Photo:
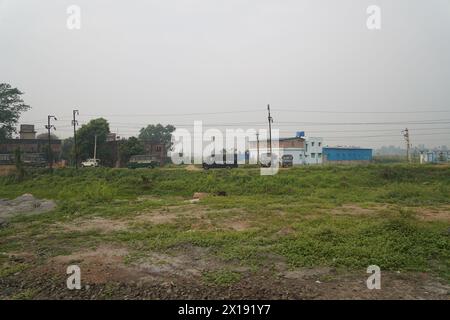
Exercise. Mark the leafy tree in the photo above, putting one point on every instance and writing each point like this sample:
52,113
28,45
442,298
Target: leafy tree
67,152
86,139
11,106
131,147
158,134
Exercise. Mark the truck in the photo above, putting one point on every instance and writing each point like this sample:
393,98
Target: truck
143,161
90,163
287,160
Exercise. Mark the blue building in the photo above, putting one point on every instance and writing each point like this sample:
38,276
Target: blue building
346,154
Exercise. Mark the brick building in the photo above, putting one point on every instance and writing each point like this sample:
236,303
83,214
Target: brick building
28,144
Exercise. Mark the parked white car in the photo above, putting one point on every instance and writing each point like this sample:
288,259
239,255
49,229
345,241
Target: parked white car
90,163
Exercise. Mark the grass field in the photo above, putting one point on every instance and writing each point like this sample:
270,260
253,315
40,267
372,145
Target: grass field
308,232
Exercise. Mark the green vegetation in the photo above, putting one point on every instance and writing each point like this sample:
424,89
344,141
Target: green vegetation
221,277
338,216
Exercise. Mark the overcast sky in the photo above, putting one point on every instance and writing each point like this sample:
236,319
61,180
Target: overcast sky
138,62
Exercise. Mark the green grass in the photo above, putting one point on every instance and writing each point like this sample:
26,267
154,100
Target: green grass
289,215
221,277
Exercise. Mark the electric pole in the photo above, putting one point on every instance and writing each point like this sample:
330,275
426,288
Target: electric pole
95,147
49,127
257,148
74,123
408,144
270,119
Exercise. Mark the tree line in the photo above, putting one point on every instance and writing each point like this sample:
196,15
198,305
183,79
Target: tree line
12,106
157,134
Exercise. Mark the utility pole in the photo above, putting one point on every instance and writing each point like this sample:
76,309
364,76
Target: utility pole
75,123
270,119
95,147
408,144
49,127
257,148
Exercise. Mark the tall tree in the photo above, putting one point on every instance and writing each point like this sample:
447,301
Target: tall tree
86,136
67,150
158,134
11,106
130,147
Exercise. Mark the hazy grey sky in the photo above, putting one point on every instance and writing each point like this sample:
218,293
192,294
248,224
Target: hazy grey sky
138,58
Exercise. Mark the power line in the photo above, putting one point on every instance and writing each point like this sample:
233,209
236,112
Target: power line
360,112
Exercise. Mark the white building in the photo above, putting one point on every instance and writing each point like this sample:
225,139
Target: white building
303,150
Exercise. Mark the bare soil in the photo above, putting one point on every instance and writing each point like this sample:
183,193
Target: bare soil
106,274
111,271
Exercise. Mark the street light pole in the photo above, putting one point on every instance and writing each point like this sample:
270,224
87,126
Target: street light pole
74,123
49,126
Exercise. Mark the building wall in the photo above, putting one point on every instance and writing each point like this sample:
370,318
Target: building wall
282,143
29,145
313,150
157,150
297,153
435,156
304,151
347,155
291,143
27,131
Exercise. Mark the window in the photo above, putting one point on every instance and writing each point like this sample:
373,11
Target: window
319,155
320,144
158,148
312,144
313,155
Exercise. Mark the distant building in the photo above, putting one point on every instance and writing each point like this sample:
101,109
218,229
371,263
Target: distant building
157,150
27,132
304,150
434,156
28,144
346,155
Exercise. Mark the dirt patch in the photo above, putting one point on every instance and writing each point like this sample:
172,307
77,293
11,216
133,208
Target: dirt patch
237,225
195,214
6,170
95,223
107,272
433,214
285,231
185,262
99,265
423,213
304,274
191,167
148,197
355,210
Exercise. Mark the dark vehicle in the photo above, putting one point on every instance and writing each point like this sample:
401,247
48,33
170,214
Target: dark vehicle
143,161
287,160
213,163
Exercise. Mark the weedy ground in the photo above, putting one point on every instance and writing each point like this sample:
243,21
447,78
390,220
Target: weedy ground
307,232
